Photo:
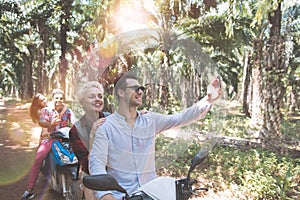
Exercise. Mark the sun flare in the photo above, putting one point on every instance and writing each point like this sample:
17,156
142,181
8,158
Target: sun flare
130,15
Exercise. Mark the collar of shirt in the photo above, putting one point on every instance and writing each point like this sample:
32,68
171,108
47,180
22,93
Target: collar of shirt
119,116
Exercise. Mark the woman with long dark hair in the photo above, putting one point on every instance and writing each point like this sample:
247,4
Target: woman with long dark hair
38,102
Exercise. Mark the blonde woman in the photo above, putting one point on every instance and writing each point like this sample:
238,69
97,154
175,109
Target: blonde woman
90,97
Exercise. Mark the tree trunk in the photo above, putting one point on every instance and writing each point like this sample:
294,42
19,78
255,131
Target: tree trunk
273,79
292,103
246,83
164,80
42,75
64,26
256,112
26,88
293,82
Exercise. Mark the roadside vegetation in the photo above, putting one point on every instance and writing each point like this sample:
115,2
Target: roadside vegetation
244,171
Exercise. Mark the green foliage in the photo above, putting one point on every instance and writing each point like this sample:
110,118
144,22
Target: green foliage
236,126
247,174
260,174
76,108
256,174
290,127
174,155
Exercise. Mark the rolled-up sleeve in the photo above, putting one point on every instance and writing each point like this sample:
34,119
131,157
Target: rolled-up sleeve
73,117
187,116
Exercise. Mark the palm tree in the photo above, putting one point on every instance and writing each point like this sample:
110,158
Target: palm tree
274,72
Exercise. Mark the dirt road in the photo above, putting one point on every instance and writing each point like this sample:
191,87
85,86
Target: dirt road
18,141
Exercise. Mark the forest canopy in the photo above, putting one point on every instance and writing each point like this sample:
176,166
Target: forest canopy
253,45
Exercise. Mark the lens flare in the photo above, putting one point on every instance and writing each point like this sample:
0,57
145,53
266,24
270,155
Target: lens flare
108,48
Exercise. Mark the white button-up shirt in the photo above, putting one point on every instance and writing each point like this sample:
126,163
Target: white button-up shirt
128,154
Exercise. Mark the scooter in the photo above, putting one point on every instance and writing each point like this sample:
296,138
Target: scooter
61,167
161,188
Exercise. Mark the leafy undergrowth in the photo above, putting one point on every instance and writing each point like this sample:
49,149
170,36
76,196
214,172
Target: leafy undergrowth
245,174
234,173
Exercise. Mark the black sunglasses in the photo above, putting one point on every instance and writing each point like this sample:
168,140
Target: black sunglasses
137,88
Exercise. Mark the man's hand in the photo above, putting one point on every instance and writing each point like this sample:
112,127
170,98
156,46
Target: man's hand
108,197
55,121
45,132
214,90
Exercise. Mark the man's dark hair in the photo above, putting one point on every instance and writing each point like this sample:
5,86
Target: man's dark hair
120,83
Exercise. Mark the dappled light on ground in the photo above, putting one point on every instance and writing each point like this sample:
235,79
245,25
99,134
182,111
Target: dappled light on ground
19,137
17,131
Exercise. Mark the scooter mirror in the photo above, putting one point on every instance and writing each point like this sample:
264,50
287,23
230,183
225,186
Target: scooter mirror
102,182
198,159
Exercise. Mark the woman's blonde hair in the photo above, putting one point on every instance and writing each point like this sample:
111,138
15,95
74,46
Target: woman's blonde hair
82,91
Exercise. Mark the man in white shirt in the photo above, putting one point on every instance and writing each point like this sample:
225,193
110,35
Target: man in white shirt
124,145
